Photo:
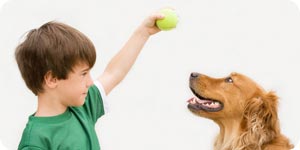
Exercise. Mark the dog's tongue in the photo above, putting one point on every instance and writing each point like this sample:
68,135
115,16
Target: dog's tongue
195,100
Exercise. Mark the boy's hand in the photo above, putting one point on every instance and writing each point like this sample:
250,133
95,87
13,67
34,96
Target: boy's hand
148,27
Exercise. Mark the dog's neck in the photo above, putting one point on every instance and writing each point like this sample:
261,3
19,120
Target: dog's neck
229,131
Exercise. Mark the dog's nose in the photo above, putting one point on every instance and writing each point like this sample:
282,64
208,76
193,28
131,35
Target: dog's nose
194,75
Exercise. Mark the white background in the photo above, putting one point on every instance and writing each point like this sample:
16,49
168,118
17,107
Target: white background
259,38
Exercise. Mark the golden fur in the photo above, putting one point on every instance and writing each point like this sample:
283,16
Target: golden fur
248,117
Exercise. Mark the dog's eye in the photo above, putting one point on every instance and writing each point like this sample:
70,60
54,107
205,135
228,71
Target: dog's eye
228,80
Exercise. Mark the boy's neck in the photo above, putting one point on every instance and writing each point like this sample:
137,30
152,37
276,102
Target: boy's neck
49,106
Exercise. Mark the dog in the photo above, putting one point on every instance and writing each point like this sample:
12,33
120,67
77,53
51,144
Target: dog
245,112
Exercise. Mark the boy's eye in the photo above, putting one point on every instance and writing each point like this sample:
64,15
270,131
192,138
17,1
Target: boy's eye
228,80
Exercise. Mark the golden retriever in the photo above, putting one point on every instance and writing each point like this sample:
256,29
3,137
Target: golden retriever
245,112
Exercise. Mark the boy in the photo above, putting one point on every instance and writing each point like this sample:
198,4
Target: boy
55,62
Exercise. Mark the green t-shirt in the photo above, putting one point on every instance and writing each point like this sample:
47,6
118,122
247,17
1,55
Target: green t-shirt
72,130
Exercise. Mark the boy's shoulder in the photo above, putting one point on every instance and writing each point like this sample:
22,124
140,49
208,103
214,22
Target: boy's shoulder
31,136
62,131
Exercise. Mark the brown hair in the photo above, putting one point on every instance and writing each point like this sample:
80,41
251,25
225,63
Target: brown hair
54,47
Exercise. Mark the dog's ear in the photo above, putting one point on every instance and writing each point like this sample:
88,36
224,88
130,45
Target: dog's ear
260,123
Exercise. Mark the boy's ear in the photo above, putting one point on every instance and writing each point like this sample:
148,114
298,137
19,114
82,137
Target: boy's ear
50,80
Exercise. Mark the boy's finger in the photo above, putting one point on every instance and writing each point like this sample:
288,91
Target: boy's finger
157,16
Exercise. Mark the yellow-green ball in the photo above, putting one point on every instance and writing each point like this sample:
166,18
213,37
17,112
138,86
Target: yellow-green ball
169,21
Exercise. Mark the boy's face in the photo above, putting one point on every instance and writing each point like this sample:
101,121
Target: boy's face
73,90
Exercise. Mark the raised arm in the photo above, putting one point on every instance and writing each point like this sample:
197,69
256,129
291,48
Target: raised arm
121,63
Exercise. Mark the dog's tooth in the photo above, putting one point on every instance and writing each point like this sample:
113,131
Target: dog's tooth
193,101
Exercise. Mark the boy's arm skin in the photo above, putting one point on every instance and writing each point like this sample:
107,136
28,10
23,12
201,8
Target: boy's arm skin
121,63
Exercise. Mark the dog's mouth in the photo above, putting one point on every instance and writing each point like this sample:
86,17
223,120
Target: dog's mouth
206,104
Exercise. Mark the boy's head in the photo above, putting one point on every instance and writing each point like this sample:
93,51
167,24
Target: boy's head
54,47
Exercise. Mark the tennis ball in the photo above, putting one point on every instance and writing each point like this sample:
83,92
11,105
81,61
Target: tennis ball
169,21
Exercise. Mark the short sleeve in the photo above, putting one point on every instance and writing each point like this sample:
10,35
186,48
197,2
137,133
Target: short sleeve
94,105
103,95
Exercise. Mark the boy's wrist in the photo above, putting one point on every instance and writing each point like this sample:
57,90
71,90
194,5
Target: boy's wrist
142,32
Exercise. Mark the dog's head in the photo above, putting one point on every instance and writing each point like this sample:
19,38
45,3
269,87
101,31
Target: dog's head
233,96
237,98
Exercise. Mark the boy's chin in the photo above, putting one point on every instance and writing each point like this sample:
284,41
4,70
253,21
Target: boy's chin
79,103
